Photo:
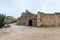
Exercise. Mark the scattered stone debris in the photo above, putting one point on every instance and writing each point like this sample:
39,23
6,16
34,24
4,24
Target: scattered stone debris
6,26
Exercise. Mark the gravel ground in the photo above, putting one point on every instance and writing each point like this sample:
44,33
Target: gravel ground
29,33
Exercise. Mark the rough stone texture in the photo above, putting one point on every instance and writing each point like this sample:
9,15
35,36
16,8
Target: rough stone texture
10,19
40,19
45,19
25,17
57,19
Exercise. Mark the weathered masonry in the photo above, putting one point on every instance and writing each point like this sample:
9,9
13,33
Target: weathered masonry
28,19
45,19
41,19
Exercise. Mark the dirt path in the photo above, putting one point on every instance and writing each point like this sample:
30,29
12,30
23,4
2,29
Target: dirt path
29,33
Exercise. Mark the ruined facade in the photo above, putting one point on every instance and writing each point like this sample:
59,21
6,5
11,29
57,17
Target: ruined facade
28,19
40,19
10,19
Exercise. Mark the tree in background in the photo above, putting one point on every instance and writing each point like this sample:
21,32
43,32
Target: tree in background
2,20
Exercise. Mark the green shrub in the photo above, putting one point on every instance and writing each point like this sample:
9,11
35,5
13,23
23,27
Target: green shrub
2,20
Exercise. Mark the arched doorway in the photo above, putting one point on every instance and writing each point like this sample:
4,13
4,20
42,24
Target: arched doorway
30,22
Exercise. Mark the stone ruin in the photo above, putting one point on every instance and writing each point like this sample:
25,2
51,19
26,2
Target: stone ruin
27,18
10,19
41,19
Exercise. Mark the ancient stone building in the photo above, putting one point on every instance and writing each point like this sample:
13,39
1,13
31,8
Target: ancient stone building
40,19
10,19
28,19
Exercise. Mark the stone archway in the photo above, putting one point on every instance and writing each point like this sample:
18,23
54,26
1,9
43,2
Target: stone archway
30,22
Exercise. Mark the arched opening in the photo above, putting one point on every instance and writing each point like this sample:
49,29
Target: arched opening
30,23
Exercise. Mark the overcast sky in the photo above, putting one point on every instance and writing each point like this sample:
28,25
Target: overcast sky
16,7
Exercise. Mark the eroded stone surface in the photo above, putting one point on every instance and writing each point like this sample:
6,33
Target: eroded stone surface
40,19
10,19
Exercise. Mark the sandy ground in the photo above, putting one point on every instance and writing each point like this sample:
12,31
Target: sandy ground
29,33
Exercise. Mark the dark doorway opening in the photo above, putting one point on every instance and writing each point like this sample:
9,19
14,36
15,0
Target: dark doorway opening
30,23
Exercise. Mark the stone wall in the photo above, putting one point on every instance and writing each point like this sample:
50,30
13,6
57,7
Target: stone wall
10,19
57,19
40,19
21,21
45,19
25,17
